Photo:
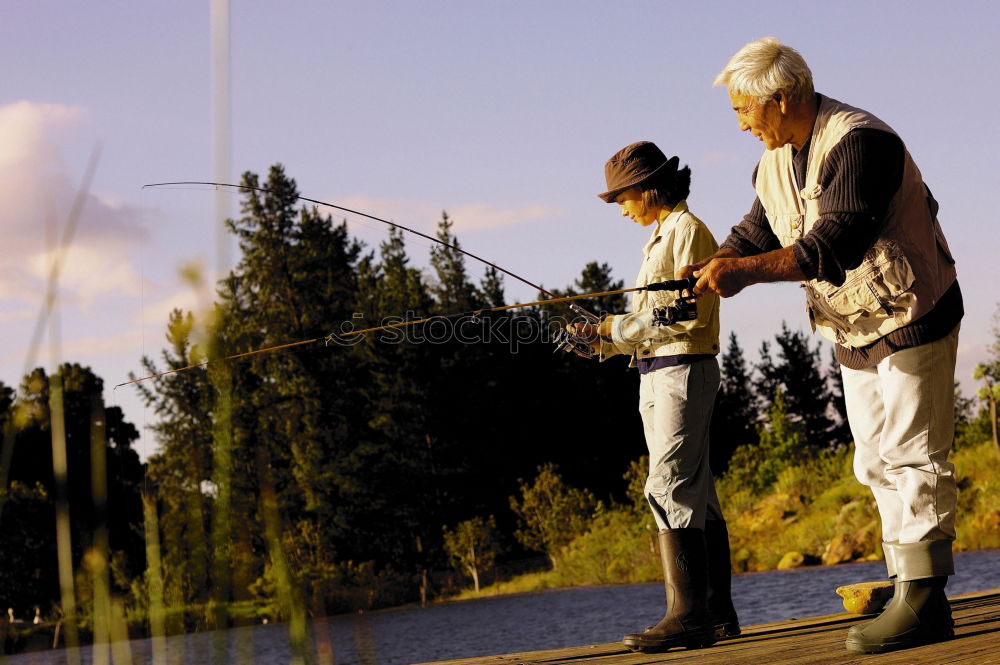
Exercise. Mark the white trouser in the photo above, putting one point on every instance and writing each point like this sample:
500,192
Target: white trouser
676,408
902,415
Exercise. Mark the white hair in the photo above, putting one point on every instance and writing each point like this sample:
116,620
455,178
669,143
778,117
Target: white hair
763,67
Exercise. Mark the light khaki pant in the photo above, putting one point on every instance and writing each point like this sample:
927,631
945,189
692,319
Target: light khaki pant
676,408
902,415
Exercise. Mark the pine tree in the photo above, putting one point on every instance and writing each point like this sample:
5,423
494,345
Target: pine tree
408,463
492,288
283,421
798,375
756,466
32,484
178,471
359,451
735,412
579,438
293,413
452,290
989,374
594,278
840,429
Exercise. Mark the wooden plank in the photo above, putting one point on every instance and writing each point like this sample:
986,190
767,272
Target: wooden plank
811,641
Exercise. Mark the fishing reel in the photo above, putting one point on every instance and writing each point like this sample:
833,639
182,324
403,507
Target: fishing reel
684,308
571,342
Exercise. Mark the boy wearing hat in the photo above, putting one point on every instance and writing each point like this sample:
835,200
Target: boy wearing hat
679,378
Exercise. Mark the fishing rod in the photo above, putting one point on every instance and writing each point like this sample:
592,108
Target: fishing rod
578,345
566,340
683,308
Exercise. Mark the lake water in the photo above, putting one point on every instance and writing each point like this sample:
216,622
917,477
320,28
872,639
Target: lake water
525,622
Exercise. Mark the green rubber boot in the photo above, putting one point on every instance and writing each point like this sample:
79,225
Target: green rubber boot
889,549
919,612
686,622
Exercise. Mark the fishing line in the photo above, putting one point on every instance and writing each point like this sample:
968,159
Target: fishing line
402,227
354,218
142,327
567,342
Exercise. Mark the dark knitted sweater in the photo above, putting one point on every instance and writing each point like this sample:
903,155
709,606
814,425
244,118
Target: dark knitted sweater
859,179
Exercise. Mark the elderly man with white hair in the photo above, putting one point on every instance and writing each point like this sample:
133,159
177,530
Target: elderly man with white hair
842,208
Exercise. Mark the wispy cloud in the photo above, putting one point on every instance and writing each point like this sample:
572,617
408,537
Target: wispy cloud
483,216
86,273
424,215
36,194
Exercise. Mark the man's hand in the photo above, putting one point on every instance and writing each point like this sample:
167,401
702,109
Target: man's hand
719,271
687,271
726,277
727,273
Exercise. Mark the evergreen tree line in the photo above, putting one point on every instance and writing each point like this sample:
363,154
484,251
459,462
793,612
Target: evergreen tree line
811,396
328,477
101,491
349,460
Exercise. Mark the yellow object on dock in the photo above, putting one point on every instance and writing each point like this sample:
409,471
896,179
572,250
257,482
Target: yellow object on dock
865,597
815,641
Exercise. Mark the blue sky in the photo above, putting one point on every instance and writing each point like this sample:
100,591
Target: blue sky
501,113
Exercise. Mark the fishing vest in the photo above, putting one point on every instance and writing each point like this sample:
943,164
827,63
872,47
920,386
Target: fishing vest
906,270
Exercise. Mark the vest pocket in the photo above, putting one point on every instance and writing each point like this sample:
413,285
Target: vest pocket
787,226
880,292
891,282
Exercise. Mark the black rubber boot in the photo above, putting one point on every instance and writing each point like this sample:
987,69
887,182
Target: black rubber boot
686,622
919,612
720,571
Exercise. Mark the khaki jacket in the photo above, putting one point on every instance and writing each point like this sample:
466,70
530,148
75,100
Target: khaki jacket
680,240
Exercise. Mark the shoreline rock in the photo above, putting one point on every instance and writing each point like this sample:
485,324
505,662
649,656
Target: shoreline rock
865,597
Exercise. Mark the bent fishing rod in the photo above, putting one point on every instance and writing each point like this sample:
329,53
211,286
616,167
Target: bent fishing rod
683,309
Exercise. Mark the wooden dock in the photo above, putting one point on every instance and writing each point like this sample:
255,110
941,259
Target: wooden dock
815,641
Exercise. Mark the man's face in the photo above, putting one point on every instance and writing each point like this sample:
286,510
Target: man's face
764,121
630,202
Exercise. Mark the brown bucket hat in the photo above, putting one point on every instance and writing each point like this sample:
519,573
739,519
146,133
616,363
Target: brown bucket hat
634,164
